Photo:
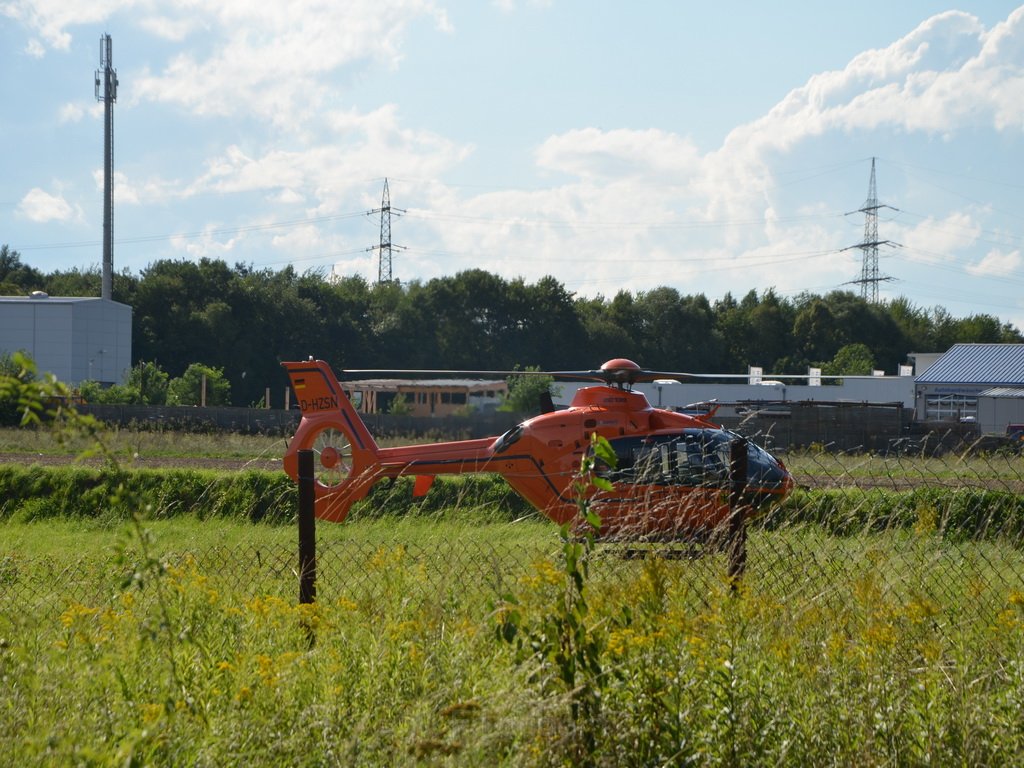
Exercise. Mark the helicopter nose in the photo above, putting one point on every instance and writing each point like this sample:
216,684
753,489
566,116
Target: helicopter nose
767,473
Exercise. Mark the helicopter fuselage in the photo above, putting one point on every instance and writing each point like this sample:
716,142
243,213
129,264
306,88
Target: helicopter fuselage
671,477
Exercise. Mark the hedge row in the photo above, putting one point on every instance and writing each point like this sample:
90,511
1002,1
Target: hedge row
36,492
956,513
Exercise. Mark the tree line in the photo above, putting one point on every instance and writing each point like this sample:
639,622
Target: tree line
242,322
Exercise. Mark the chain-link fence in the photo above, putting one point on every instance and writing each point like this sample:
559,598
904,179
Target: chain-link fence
939,538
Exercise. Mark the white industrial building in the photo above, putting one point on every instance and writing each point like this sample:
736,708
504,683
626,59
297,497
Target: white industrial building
852,389
972,383
73,337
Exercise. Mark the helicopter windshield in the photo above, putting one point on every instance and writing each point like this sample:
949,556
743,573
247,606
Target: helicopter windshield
693,457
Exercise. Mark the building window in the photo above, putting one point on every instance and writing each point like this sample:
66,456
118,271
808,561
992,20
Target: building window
950,407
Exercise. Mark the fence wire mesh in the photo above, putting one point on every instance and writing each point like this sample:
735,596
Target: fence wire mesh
936,541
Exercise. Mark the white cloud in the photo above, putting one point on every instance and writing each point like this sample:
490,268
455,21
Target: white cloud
509,6
273,60
590,153
302,239
938,240
207,245
645,204
996,263
52,18
286,196
128,191
70,113
946,75
640,207
168,28
329,173
40,206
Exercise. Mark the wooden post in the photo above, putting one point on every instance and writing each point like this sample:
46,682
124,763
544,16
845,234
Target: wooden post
202,392
307,528
287,398
266,399
737,540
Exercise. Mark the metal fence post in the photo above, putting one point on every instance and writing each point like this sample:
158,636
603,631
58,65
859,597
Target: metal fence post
307,528
737,540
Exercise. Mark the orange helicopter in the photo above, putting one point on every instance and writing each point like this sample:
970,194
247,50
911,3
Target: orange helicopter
670,482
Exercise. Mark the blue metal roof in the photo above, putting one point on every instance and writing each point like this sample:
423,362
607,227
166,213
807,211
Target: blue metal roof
1003,392
993,364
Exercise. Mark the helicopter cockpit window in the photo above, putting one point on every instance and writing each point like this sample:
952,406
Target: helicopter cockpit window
694,457
504,442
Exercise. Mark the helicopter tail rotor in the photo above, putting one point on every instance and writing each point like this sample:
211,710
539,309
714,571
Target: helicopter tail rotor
345,454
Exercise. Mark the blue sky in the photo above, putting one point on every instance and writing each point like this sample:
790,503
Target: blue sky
709,147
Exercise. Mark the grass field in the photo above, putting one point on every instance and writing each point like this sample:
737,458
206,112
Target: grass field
457,636
190,653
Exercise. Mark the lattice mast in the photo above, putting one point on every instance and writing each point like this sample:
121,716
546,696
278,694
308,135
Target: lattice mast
869,277
107,93
385,247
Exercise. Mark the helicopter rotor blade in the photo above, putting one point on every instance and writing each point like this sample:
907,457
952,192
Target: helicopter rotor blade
613,372
440,373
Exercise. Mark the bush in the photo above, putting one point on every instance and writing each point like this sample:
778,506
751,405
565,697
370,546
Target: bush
187,389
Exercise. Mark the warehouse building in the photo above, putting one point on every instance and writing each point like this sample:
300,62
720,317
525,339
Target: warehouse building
979,383
73,337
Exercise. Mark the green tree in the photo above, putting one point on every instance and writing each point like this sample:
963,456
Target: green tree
853,360
187,389
18,278
914,323
399,405
814,330
756,331
472,318
605,338
543,326
400,329
525,392
150,380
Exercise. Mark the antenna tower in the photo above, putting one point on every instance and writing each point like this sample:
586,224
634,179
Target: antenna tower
869,277
385,248
107,76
